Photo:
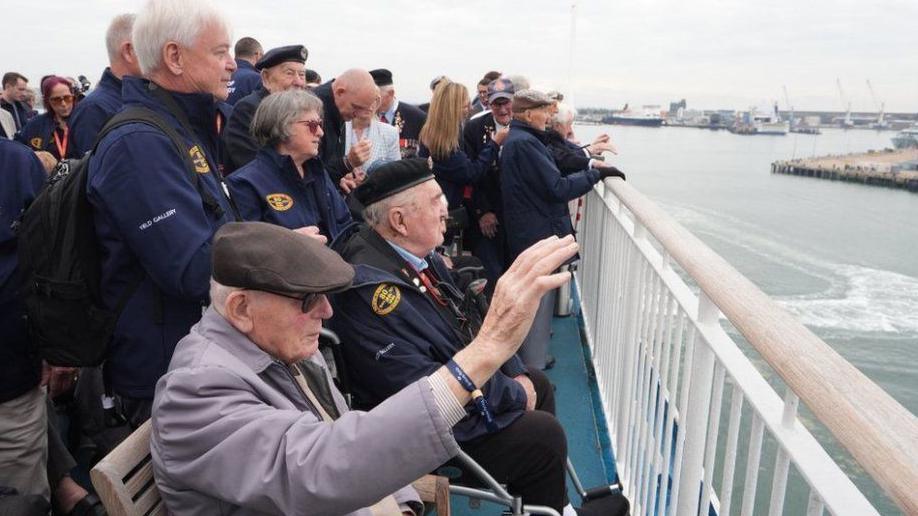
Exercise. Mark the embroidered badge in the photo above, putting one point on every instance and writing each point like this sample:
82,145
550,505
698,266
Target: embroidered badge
36,143
385,299
200,162
279,201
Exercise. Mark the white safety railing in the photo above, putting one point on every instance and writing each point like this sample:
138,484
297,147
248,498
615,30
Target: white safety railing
670,378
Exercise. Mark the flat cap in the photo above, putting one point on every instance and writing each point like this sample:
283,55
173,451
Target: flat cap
392,178
276,56
500,89
530,99
381,77
270,258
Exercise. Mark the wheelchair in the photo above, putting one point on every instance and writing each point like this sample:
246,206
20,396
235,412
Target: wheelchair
493,491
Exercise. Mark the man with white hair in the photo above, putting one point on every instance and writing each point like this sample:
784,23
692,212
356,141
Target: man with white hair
154,216
407,118
405,318
91,113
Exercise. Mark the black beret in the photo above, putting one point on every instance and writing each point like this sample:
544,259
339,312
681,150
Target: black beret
270,258
381,77
276,56
392,178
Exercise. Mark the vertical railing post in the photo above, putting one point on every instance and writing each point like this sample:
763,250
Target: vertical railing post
632,311
695,419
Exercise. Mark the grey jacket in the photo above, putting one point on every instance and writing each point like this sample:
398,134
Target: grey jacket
234,434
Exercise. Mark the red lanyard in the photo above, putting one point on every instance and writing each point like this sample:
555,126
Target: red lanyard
434,292
62,145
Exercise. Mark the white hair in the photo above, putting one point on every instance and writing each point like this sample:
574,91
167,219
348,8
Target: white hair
162,21
565,114
119,31
378,212
519,82
219,293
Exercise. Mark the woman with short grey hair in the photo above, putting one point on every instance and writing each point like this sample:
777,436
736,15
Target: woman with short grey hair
287,184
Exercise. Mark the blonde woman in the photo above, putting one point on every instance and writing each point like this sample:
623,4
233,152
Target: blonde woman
441,141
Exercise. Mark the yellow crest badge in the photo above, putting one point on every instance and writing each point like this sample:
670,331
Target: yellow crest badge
200,162
36,143
279,201
385,299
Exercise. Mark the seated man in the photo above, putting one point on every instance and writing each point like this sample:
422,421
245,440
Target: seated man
247,421
405,319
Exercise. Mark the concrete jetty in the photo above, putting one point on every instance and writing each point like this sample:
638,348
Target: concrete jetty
890,168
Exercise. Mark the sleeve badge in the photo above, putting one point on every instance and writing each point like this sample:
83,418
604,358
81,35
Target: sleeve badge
385,299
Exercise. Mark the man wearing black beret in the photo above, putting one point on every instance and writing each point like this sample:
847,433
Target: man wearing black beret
406,318
281,69
408,119
247,419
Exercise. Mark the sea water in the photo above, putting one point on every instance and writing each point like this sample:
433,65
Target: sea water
842,257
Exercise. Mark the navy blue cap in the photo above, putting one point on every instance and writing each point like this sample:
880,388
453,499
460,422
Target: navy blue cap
276,56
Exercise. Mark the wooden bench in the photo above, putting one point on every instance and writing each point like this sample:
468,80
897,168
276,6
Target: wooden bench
124,481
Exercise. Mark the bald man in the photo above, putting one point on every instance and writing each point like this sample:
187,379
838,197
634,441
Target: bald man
344,97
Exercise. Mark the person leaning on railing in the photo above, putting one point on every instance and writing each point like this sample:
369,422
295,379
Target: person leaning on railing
535,196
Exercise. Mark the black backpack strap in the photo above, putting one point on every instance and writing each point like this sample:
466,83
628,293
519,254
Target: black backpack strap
142,115
180,115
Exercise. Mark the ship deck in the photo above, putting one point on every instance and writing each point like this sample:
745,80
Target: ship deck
579,410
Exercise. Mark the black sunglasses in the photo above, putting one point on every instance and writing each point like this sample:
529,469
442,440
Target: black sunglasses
309,302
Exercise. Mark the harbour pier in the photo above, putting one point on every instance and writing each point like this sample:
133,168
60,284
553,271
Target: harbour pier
890,168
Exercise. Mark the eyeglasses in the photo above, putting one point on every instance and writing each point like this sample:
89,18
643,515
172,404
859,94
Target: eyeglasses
63,99
313,125
310,302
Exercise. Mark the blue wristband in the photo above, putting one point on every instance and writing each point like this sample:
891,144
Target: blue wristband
477,397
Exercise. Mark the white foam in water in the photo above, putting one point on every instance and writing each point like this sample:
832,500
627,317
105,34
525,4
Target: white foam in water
856,299
873,301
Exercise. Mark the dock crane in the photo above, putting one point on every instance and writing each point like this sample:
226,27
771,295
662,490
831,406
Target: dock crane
881,109
847,123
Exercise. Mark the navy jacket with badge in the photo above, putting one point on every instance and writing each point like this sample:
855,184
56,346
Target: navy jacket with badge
21,178
38,134
152,224
476,136
246,79
269,189
393,334
91,113
535,193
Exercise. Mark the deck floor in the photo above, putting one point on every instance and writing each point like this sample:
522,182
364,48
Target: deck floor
577,406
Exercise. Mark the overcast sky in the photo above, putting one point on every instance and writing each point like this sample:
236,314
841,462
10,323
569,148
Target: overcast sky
714,53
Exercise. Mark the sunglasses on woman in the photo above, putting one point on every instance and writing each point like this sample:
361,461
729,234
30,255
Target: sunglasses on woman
63,99
313,125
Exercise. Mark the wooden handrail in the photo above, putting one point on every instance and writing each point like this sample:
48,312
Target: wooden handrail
880,433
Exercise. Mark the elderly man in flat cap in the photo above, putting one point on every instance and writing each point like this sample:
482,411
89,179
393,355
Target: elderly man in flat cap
405,318
281,69
247,420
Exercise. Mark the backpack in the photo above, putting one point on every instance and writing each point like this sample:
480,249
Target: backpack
61,258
